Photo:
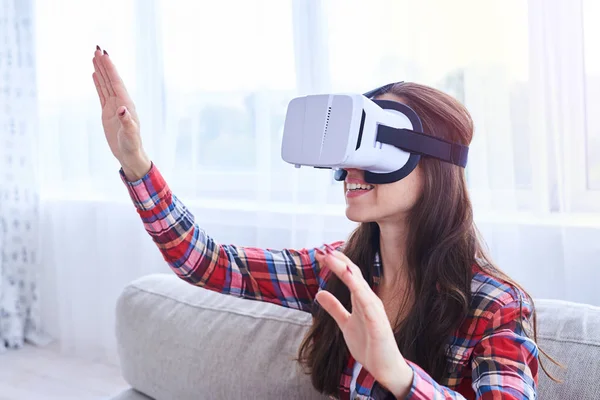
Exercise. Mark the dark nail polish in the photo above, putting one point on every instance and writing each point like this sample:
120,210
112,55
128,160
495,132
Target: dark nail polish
329,249
105,52
122,112
348,269
97,47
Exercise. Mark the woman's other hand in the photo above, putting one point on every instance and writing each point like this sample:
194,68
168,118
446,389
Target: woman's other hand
367,330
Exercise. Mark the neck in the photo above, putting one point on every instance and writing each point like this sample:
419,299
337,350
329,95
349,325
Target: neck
392,248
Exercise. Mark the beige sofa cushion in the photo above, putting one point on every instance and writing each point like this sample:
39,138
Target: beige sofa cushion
177,341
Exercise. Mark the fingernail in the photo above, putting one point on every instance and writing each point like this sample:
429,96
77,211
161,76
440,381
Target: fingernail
320,252
348,269
97,47
105,52
122,112
329,249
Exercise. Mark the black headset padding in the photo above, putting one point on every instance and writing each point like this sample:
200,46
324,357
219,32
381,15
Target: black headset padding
413,159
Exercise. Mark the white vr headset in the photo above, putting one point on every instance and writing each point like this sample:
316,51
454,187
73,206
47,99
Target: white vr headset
382,137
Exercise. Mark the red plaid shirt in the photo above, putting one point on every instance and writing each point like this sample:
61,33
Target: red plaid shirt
491,356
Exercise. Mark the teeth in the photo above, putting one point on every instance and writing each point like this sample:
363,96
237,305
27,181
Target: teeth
358,186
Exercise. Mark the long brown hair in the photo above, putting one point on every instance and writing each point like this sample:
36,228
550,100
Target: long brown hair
444,246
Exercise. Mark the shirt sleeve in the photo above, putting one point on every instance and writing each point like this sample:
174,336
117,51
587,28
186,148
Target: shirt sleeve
504,362
290,278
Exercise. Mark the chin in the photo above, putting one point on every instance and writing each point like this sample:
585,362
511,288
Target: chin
359,214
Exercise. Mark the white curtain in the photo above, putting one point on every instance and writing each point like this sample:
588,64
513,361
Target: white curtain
212,80
20,317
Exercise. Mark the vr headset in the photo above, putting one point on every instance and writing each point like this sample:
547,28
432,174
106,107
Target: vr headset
382,137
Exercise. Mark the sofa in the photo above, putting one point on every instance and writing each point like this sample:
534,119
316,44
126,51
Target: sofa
180,342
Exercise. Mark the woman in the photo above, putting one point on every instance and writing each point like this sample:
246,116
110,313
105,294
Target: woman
408,307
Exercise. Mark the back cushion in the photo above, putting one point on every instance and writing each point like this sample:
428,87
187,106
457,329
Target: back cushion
178,341
569,333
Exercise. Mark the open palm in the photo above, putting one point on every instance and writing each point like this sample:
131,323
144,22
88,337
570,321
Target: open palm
367,330
119,118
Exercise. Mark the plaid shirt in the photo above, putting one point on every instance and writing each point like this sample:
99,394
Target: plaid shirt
491,356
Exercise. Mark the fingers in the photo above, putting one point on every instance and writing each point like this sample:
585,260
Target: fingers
353,267
333,306
99,90
364,300
100,79
115,81
99,65
344,268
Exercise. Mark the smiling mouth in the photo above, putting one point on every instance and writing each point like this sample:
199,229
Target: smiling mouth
358,187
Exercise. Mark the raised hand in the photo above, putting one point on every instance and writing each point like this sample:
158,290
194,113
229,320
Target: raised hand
367,330
119,117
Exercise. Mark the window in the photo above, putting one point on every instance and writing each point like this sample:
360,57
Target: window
212,88
591,31
433,43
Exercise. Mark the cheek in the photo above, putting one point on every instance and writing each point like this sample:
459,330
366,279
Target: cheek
400,196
